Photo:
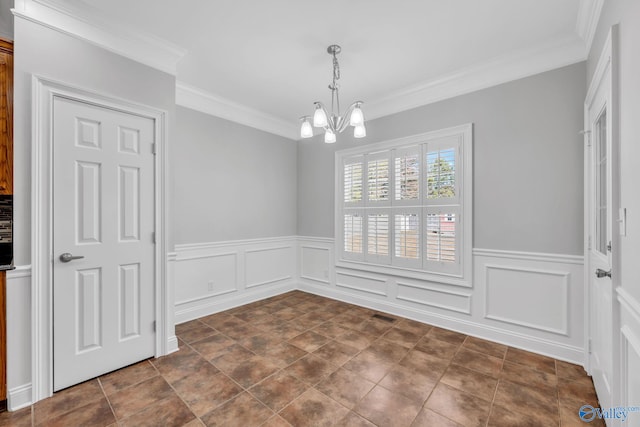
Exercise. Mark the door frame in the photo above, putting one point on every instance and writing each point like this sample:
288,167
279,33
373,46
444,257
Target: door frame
607,66
43,93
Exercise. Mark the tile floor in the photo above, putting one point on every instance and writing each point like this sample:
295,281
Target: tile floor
301,360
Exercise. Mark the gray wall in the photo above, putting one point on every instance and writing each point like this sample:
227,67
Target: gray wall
231,181
528,172
626,13
6,19
47,53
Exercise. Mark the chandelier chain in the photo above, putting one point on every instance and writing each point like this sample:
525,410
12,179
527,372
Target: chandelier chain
334,85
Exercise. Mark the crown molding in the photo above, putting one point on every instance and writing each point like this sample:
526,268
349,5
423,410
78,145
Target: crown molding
587,22
504,69
84,24
520,64
209,103
87,24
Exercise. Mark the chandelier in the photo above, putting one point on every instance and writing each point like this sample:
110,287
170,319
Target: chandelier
333,123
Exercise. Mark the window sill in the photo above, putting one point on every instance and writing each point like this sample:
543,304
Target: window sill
389,270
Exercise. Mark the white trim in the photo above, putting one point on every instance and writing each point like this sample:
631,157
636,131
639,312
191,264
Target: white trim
19,271
514,66
43,93
530,256
629,341
630,304
301,260
359,288
202,256
514,339
316,239
252,275
206,306
215,105
443,304
19,397
587,22
564,330
205,246
466,310
87,24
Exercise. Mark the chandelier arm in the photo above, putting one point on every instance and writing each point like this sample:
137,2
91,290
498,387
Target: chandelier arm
330,125
344,122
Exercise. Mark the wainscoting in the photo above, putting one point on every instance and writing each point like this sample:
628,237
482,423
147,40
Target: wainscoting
528,300
212,277
629,348
19,337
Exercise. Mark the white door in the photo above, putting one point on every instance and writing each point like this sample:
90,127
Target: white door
103,249
601,187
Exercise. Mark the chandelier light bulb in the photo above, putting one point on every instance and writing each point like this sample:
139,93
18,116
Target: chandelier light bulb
319,117
306,131
357,118
359,131
329,137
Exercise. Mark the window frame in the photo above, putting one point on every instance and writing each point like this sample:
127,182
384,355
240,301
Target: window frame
459,273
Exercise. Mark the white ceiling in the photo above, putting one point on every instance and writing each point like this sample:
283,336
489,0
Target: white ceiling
270,56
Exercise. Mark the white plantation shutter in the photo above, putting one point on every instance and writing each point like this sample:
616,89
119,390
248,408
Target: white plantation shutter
378,179
353,181
407,176
441,173
353,235
378,237
405,205
407,239
442,239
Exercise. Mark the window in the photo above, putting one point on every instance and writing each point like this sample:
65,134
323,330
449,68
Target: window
405,204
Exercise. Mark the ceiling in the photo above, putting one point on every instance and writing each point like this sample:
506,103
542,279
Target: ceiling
269,57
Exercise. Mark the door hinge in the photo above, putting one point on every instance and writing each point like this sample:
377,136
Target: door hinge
153,326
153,237
589,243
153,148
587,134
588,344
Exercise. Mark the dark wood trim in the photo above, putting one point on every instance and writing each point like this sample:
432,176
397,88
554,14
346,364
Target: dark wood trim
6,46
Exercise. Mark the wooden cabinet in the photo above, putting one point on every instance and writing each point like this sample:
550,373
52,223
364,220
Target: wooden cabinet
6,185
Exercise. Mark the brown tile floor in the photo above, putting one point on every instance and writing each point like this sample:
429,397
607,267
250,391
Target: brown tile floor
302,360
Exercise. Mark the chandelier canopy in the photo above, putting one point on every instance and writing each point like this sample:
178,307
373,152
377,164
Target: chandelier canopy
333,123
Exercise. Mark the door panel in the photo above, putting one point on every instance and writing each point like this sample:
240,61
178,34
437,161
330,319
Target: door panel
600,227
103,213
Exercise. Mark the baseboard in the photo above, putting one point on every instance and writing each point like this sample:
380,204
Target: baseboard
19,397
172,344
525,342
216,304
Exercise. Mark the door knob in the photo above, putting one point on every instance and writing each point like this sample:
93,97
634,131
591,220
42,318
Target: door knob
601,273
66,257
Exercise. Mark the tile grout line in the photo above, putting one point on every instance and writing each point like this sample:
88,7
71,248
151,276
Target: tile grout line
113,412
495,392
